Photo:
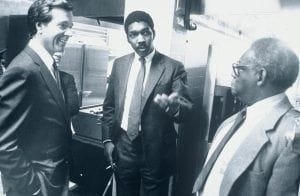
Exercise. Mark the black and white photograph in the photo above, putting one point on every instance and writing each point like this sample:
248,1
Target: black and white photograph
149,98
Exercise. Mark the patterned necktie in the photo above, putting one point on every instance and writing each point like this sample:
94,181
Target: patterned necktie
201,179
58,79
134,118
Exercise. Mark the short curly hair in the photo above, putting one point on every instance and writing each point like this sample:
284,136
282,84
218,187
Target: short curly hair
40,12
138,16
281,63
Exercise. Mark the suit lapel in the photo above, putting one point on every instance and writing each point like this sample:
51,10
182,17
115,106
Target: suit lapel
252,145
156,70
123,78
49,80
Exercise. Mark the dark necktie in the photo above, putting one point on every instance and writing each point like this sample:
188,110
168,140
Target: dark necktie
134,118
57,78
1,68
201,179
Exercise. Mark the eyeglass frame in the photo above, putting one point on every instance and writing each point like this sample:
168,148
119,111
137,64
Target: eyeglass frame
236,68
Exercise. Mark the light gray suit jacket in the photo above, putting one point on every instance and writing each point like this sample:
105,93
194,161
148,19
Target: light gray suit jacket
266,164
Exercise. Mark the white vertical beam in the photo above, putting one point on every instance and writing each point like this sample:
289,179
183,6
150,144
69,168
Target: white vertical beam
209,88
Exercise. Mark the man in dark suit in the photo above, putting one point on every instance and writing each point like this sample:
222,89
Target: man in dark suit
34,122
139,111
256,152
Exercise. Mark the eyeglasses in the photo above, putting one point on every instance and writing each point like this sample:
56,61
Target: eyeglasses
237,68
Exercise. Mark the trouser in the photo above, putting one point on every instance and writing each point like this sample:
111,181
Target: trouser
47,187
64,192
132,170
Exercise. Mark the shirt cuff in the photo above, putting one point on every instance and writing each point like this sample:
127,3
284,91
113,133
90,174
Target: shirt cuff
37,192
106,141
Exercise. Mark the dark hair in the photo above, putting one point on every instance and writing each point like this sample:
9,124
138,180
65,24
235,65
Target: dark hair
281,63
138,16
40,12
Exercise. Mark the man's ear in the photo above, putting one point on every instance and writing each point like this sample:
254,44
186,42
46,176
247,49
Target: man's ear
262,76
39,27
127,38
153,33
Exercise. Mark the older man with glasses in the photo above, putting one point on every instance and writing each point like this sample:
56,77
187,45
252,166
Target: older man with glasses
257,151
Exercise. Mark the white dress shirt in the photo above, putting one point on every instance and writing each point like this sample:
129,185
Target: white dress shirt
134,70
43,54
257,111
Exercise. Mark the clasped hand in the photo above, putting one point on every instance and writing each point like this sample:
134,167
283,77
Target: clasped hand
168,103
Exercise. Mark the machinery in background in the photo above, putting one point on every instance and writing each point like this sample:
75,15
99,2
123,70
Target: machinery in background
88,64
224,105
88,167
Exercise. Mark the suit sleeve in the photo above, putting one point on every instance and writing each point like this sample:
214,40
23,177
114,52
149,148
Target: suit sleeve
70,93
15,106
108,119
179,85
285,177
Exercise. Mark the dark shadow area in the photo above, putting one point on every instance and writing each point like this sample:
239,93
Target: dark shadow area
191,145
290,3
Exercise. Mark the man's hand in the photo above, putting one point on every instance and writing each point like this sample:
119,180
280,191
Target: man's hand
108,149
168,103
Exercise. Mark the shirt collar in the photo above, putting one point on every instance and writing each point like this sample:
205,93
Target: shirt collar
263,107
42,52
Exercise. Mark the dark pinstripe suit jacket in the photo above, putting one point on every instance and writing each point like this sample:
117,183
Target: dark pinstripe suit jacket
34,128
158,133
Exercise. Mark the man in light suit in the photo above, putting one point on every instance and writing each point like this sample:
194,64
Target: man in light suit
35,129
261,156
138,127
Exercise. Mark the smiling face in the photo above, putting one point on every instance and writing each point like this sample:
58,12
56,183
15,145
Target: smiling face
55,34
140,36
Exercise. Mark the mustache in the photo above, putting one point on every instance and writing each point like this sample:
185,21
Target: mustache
142,45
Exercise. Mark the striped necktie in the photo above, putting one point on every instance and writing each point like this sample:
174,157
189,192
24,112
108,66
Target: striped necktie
201,179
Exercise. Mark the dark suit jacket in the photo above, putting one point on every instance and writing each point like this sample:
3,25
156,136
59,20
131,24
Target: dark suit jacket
266,164
158,133
34,128
70,92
